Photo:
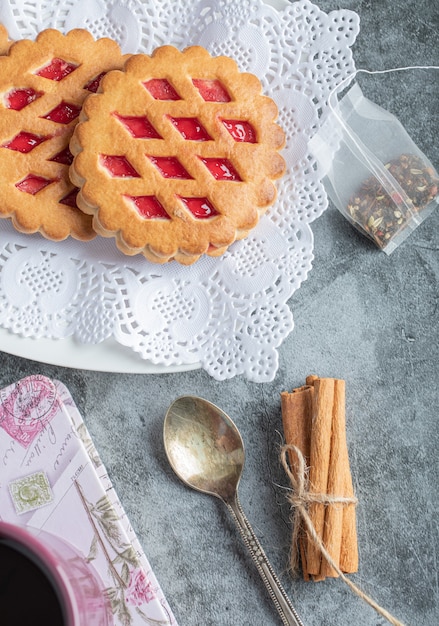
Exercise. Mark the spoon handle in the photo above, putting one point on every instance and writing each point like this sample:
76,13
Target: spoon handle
277,593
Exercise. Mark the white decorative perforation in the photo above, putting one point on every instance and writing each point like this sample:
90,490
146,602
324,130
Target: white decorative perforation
229,314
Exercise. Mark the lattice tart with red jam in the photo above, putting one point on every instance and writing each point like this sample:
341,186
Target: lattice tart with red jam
177,155
43,84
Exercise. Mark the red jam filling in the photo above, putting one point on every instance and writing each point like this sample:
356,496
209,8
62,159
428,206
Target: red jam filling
65,157
241,131
64,113
70,199
190,128
57,69
149,207
199,207
24,142
118,166
93,85
170,167
17,99
221,169
211,90
33,184
138,127
161,89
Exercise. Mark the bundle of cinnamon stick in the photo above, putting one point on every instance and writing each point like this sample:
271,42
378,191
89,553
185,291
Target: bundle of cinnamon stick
314,426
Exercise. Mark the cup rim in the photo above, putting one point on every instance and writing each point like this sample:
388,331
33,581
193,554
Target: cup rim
42,556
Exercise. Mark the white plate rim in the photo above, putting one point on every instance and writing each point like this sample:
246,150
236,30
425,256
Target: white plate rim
107,356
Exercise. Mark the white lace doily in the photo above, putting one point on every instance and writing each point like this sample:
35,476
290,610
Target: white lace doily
230,314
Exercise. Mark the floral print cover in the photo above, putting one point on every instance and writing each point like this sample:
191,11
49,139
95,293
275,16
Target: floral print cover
47,456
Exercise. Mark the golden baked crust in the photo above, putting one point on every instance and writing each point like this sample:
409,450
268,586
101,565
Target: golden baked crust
5,42
177,154
43,84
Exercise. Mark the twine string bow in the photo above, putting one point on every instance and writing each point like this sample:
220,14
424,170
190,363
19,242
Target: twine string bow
300,498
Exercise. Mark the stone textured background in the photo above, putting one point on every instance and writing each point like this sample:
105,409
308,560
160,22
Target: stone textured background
361,316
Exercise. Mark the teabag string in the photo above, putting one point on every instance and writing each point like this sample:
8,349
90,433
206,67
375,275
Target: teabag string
349,77
387,181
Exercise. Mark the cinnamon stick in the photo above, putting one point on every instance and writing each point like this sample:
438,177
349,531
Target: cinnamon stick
333,531
296,415
314,421
323,399
349,543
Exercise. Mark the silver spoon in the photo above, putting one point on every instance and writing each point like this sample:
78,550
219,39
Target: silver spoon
206,451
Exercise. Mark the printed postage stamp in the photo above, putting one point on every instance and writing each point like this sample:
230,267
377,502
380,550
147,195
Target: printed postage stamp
30,492
27,407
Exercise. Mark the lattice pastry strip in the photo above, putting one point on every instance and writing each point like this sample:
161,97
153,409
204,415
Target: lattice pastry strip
43,84
177,154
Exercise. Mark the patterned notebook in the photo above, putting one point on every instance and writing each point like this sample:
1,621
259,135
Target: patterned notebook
52,478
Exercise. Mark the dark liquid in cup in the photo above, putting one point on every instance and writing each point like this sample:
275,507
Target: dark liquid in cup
27,596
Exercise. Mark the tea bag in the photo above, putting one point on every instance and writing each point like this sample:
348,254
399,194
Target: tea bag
373,171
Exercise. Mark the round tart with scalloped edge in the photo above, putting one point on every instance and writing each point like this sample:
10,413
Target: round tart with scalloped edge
43,84
177,155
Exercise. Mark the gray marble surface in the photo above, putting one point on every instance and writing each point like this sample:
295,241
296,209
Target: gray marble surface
361,316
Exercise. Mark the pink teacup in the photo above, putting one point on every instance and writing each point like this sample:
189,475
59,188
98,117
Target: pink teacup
45,580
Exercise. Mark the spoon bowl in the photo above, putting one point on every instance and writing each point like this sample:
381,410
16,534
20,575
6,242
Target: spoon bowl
204,447
206,451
